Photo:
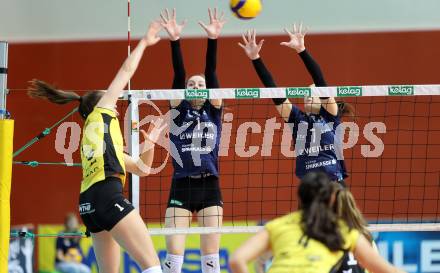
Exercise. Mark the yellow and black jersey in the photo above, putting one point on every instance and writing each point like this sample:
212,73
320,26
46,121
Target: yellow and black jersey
293,252
101,148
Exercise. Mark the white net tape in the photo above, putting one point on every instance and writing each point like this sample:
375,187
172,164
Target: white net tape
285,92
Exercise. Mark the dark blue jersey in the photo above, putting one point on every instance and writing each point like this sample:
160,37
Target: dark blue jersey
317,145
195,138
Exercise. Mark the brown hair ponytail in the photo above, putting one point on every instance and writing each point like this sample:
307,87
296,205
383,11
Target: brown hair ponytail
318,218
346,208
41,90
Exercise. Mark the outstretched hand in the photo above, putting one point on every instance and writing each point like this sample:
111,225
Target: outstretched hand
216,23
250,46
170,24
151,37
155,130
296,38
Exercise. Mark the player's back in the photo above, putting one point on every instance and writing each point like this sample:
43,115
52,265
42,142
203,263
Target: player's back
294,252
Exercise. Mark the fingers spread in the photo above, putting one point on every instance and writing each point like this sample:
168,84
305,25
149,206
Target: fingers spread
306,29
203,25
162,16
215,13
210,14
244,39
222,17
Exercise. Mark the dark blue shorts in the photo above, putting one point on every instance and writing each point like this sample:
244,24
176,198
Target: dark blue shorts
195,194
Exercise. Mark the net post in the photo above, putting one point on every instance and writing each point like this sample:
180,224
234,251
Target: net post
6,150
132,130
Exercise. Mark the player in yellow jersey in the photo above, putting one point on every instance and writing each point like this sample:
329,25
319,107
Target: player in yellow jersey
345,208
311,240
110,217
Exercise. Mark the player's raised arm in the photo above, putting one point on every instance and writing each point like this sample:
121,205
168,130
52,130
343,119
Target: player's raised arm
252,50
213,30
174,30
296,42
109,99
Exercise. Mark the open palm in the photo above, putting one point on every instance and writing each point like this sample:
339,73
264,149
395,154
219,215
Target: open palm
216,24
250,46
151,36
170,24
296,38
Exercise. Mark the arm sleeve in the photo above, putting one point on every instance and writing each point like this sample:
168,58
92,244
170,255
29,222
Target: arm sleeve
178,66
263,73
211,64
313,68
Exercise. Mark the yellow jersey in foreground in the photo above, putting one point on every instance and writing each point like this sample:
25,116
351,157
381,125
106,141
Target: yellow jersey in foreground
293,252
101,148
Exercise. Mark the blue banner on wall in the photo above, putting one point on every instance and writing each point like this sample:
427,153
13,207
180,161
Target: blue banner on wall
414,252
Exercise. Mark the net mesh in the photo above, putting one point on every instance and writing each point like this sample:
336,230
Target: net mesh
401,185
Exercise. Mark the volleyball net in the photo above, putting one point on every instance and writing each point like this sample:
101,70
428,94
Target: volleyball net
391,150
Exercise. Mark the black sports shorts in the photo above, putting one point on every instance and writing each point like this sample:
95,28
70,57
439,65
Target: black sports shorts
103,205
195,194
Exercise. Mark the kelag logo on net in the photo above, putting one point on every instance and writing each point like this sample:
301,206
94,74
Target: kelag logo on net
193,94
298,92
247,93
349,91
401,90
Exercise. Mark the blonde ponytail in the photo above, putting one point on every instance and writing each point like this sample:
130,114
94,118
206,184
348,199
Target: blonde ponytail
347,209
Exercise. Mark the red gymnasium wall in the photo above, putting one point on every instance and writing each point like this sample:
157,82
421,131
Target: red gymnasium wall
45,194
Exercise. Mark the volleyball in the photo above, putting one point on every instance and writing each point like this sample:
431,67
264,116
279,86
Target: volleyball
246,9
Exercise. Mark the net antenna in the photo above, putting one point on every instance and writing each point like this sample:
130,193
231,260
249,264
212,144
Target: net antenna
132,122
